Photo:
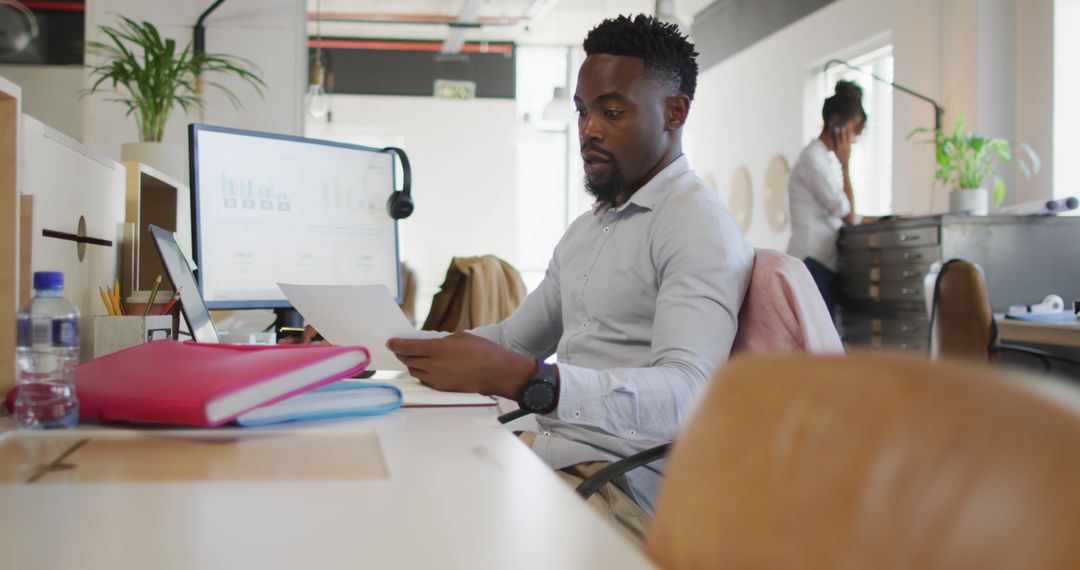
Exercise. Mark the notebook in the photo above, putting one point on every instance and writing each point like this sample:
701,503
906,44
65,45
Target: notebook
338,399
201,384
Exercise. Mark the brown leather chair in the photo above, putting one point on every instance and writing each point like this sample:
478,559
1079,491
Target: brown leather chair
961,318
872,461
962,325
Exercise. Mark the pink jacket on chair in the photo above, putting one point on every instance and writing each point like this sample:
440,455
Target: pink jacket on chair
783,310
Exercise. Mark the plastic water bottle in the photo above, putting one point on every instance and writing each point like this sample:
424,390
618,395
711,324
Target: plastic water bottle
48,349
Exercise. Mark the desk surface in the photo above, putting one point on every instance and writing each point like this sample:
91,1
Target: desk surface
461,492
1061,334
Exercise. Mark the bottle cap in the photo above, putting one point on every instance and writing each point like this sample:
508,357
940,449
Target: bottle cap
48,280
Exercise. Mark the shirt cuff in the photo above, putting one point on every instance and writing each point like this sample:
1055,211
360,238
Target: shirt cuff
580,395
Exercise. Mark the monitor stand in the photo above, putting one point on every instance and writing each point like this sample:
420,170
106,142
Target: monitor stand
290,317
287,317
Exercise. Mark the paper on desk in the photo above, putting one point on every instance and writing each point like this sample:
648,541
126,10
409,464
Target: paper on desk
351,315
416,395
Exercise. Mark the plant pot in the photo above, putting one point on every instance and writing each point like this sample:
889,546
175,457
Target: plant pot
168,158
969,201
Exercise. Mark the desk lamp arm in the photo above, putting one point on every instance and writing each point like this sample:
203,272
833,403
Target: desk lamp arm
939,111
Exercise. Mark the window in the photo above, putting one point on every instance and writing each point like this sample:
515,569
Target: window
548,186
871,155
1066,147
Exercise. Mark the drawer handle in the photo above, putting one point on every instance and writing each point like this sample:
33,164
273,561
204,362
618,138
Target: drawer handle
911,255
909,237
908,291
909,273
907,328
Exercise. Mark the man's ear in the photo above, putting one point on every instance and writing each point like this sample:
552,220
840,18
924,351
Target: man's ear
676,109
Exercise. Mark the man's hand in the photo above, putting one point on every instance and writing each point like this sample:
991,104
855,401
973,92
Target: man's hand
843,138
464,362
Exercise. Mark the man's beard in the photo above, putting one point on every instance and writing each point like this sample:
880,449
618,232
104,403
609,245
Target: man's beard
608,192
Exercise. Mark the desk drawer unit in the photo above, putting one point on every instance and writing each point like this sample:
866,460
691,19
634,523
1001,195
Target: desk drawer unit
886,273
883,266
882,271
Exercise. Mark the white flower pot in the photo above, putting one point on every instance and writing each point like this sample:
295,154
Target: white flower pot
969,201
169,158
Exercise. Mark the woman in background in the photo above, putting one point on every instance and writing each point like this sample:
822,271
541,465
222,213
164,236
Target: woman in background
819,190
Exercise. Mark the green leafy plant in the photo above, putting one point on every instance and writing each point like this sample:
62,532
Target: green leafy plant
966,160
150,76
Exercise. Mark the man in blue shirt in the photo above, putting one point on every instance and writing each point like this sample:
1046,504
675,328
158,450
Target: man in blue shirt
640,301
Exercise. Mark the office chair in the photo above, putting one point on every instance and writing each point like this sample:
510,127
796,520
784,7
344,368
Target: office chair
872,461
962,324
783,312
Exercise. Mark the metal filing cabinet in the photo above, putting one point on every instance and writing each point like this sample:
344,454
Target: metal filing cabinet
883,264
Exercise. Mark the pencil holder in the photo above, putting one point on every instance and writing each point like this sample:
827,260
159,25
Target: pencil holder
117,333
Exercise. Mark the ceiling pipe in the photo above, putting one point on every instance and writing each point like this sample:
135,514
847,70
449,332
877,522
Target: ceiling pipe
199,43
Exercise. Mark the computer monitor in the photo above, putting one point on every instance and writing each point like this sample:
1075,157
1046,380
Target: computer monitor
271,208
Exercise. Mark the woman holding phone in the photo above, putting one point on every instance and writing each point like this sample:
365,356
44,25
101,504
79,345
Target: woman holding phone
819,190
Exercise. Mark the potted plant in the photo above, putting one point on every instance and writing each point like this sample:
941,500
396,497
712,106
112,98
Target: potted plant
149,75
966,161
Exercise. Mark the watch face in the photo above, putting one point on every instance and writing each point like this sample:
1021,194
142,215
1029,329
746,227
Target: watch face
538,396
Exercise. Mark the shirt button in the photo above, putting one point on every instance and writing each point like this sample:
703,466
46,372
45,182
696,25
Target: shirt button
584,275
606,228
547,434
577,413
585,325
632,432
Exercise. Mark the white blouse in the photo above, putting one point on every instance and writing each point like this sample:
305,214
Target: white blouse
818,205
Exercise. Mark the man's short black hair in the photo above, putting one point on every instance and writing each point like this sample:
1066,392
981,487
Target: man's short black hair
668,54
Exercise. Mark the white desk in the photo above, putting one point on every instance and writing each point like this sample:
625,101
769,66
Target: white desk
461,493
1060,334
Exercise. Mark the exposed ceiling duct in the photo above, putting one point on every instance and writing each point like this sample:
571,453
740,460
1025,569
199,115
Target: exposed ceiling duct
466,19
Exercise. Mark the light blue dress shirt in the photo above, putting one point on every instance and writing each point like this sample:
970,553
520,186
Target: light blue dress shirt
641,304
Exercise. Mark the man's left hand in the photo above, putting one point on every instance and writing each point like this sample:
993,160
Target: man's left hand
464,362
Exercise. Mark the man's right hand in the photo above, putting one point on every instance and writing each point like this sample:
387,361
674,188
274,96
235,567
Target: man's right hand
843,138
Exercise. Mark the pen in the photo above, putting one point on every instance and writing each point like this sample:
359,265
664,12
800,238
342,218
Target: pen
169,305
105,299
153,293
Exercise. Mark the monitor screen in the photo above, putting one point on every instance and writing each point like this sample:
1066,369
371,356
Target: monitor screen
273,208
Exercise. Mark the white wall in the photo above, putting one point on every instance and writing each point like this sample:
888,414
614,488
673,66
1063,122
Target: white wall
750,107
270,33
50,94
463,167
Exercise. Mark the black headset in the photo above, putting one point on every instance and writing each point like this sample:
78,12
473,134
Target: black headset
400,204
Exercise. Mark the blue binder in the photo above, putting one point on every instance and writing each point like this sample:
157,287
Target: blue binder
338,399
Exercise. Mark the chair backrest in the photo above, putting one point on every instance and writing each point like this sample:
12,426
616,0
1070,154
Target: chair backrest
871,461
783,310
477,291
961,318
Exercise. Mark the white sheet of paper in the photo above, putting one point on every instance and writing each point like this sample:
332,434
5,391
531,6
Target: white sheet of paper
350,315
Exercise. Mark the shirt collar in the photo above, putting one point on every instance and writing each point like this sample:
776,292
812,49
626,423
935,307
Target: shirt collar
645,197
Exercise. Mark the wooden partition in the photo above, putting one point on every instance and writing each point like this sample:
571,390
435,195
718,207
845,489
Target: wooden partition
74,191
152,198
10,112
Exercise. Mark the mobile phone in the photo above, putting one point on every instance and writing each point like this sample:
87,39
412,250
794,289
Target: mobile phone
833,125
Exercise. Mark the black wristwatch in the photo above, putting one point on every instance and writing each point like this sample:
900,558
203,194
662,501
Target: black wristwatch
541,394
